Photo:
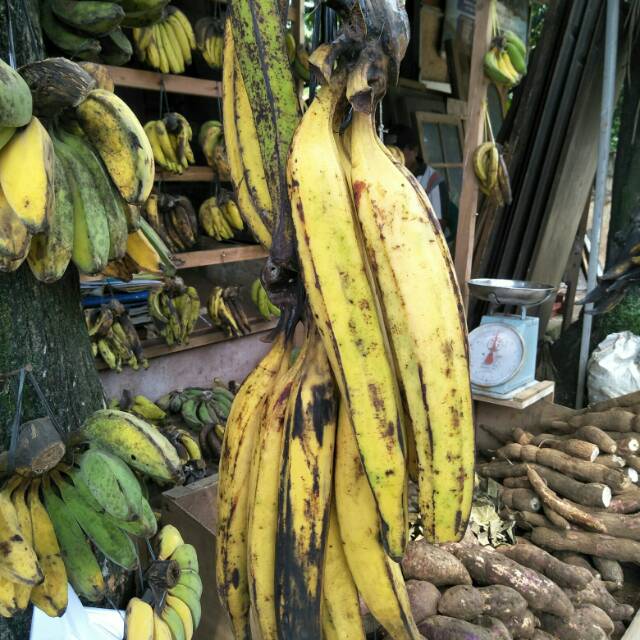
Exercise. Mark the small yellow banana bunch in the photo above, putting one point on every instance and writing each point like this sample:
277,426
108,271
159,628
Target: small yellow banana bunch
170,140
225,311
170,609
175,309
210,40
114,338
210,135
491,172
220,216
267,309
167,44
211,138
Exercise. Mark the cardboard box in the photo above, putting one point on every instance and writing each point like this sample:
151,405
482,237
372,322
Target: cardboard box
192,509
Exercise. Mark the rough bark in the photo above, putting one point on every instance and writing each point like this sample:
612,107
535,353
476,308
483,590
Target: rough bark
41,324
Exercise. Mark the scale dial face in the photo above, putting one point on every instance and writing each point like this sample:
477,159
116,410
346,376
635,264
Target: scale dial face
496,353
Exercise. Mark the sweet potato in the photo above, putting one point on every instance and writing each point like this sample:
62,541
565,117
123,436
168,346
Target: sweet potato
445,628
424,561
539,634
497,628
577,560
487,566
610,571
522,626
573,628
597,616
563,574
423,598
467,602
596,593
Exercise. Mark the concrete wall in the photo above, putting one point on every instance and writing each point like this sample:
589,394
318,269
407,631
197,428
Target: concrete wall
231,360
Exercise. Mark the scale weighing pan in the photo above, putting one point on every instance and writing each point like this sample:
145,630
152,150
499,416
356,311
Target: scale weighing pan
519,293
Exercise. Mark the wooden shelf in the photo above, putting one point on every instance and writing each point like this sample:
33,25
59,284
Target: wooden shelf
191,174
154,81
220,255
157,347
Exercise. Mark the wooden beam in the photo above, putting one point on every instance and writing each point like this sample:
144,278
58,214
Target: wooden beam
474,136
222,255
154,81
190,174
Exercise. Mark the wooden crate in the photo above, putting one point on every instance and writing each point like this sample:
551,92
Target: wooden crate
192,509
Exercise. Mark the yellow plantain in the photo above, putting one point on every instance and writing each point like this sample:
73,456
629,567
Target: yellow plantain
345,307
233,491
377,577
305,496
424,319
263,505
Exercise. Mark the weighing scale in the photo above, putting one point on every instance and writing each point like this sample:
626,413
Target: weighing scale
502,349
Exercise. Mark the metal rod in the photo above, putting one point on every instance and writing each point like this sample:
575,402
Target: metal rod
606,116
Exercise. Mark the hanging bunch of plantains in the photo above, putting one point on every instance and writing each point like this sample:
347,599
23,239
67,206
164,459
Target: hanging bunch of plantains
318,448
88,171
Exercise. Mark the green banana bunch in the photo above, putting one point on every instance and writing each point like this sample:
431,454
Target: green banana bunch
225,311
175,309
260,298
505,62
170,608
219,216
134,441
210,40
169,139
166,44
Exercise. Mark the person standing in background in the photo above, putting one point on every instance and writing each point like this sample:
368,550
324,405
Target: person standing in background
431,180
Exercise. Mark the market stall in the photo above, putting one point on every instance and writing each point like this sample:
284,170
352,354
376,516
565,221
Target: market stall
278,285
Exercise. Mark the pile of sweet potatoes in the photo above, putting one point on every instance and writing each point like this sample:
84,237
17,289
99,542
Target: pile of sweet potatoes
465,591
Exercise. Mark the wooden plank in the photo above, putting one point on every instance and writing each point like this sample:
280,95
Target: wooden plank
191,174
154,81
550,140
540,389
222,255
572,273
475,133
157,348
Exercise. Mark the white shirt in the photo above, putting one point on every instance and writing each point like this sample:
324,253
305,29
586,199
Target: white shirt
434,194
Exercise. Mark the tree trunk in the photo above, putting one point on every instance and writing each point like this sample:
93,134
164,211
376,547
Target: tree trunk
626,187
40,324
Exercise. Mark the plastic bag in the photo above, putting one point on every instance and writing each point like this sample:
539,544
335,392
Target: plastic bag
78,623
614,367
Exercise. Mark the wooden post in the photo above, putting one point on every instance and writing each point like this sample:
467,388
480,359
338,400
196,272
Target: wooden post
473,137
